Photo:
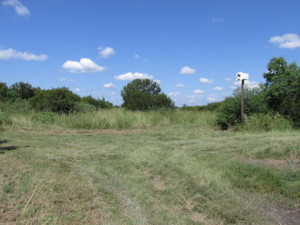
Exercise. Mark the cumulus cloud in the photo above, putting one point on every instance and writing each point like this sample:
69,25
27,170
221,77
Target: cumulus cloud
85,65
187,70
218,88
286,41
198,91
14,54
132,76
211,99
248,84
109,85
66,79
174,94
217,20
206,81
20,9
106,52
179,85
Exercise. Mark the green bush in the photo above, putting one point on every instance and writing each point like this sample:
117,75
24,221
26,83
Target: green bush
98,103
59,100
229,112
83,107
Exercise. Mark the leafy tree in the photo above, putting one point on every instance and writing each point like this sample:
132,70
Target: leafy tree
282,88
3,91
24,90
60,100
144,94
98,103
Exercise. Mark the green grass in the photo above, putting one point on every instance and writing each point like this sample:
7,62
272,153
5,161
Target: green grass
122,167
168,168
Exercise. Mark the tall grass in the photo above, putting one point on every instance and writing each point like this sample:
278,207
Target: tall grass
114,119
266,122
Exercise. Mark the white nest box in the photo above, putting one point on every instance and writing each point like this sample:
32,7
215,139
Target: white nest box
242,76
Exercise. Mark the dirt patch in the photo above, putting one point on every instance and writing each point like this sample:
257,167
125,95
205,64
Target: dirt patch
284,215
197,217
200,218
88,132
272,162
158,183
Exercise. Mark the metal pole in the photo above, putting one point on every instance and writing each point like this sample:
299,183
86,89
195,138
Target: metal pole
242,101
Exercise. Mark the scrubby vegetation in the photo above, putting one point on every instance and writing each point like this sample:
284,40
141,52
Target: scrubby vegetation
66,159
280,95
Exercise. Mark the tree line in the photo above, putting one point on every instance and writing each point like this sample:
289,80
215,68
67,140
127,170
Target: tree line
280,94
59,100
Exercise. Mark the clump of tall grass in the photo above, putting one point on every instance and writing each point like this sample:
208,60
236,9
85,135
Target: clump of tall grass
115,119
5,119
265,122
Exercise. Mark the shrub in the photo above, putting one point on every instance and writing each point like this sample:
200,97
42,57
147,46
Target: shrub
3,91
98,103
229,113
83,107
59,100
23,90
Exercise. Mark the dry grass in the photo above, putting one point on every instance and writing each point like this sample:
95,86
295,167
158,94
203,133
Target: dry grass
164,175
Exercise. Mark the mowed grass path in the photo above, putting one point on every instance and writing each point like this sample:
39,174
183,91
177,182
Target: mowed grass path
162,175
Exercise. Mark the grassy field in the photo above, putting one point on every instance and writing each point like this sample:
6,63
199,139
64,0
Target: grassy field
163,172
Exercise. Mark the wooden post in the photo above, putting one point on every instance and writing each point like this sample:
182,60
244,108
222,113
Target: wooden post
243,102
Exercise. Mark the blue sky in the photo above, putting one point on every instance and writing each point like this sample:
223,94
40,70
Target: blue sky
193,48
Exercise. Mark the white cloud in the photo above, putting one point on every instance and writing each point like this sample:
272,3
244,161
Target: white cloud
198,91
66,79
14,54
211,99
157,81
136,56
76,89
228,79
248,84
286,41
192,100
109,85
106,52
132,76
85,65
179,85
206,81
20,9
217,20
218,88
174,94
187,70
